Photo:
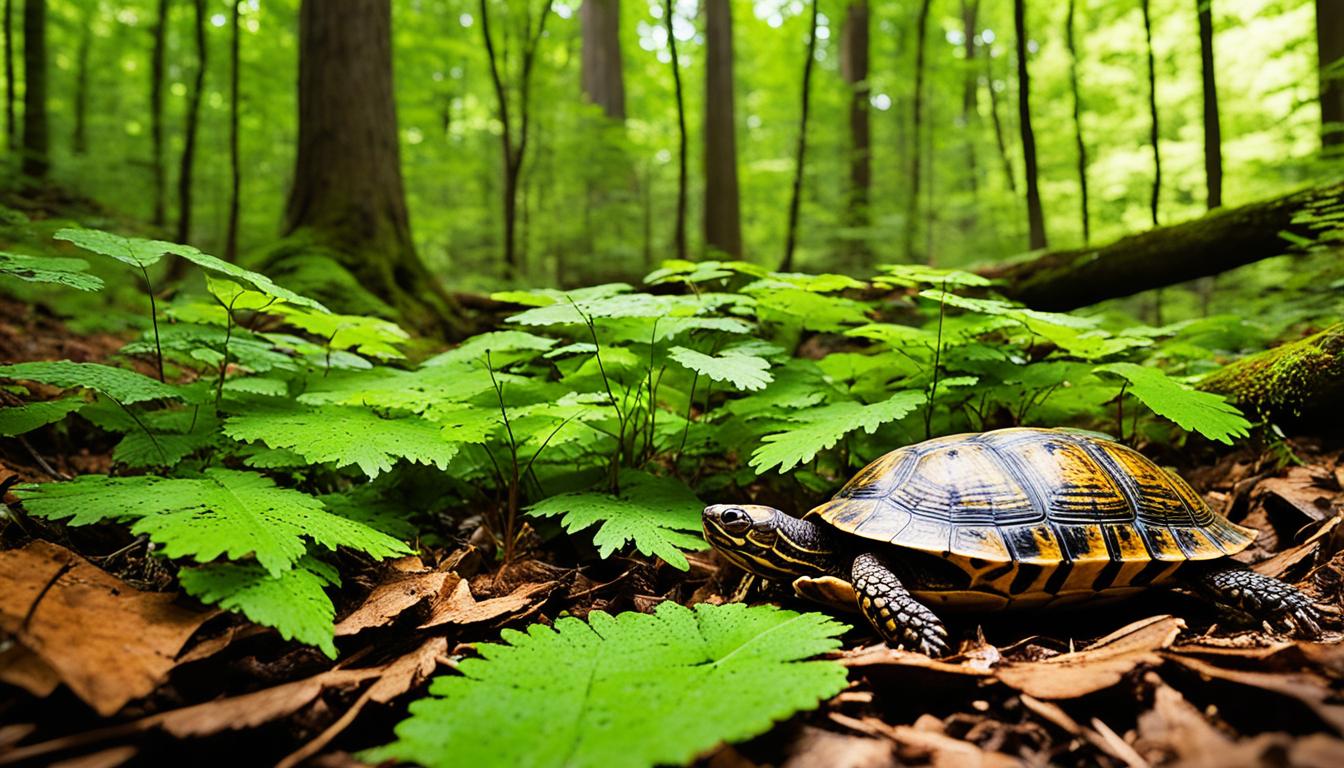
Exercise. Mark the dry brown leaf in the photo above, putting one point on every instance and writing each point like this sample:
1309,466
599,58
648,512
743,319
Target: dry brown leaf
1175,729
1114,745
109,642
1312,690
817,746
1301,489
1052,713
1282,562
461,608
939,750
400,676
402,591
1100,666
106,758
24,669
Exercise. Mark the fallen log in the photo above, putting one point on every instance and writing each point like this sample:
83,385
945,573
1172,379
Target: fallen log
1217,242
1287,381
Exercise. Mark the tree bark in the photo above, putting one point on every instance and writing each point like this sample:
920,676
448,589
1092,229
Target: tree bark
1213,133
998,126
917,128
35,140
186,172
1078,123
1329,53
723,225
513,139
11,127
1288,381
1153,131
679,224
235,172
1223,239
602,78
970,113
348,194
854,68
800,154
157,52
1035,216
79,139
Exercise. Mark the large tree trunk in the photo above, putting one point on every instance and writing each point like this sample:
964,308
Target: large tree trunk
1288,381
235,173
1329,52
679,223
347,192
79,139
602,80
723,224
186,173
854,68
800,154
1153,131
1213,133
917,127
1224,239
156,57
1035,216
11,127
999,139
35,161
1078,123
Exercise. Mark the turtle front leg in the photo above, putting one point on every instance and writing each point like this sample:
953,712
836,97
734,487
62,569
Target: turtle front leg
1253,598
893,611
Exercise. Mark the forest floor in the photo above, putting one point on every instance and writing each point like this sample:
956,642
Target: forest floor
1156,680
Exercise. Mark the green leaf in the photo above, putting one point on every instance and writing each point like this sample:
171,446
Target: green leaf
745,371
134,251
813,311
119,384
49,269
628,691
346,435
498,343
823,427
19,419
911,275
660,515
370,336
1204,412
224,512
294,601
175,435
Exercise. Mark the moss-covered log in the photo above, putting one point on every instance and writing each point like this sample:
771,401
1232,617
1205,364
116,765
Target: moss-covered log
1222,240
1287,381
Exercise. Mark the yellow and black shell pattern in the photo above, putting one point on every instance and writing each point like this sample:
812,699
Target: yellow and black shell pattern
1032,517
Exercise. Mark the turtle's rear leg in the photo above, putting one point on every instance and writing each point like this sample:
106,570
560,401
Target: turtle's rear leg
897,616
1255,598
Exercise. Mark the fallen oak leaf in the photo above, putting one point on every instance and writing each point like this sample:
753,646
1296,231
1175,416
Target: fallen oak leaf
1311,690
1284,561
24,669
1097,667
399,593
941,750
461,607
107,641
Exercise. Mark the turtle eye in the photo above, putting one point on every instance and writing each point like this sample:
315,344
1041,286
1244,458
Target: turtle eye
735,520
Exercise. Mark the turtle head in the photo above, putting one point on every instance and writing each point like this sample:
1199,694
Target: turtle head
768,542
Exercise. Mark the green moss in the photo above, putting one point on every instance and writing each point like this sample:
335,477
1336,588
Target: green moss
1287,380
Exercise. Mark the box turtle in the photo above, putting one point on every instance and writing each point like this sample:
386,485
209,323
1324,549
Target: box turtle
1012,518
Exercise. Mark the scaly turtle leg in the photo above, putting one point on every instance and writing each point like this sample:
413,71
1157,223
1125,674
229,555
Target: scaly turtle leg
1253,598
893,611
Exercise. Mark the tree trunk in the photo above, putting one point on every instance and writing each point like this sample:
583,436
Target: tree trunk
1078,123
970,113
347,194
157,52
602,80
854,68
1329,53
917,128
1288,381
1152,110
679,224
35,159
799,160
723,226
79,139
1035,217
1223,239
1213,134
186,172
998,126
11,127
235,173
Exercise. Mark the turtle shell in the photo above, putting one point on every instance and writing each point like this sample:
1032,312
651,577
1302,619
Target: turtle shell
1033,515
